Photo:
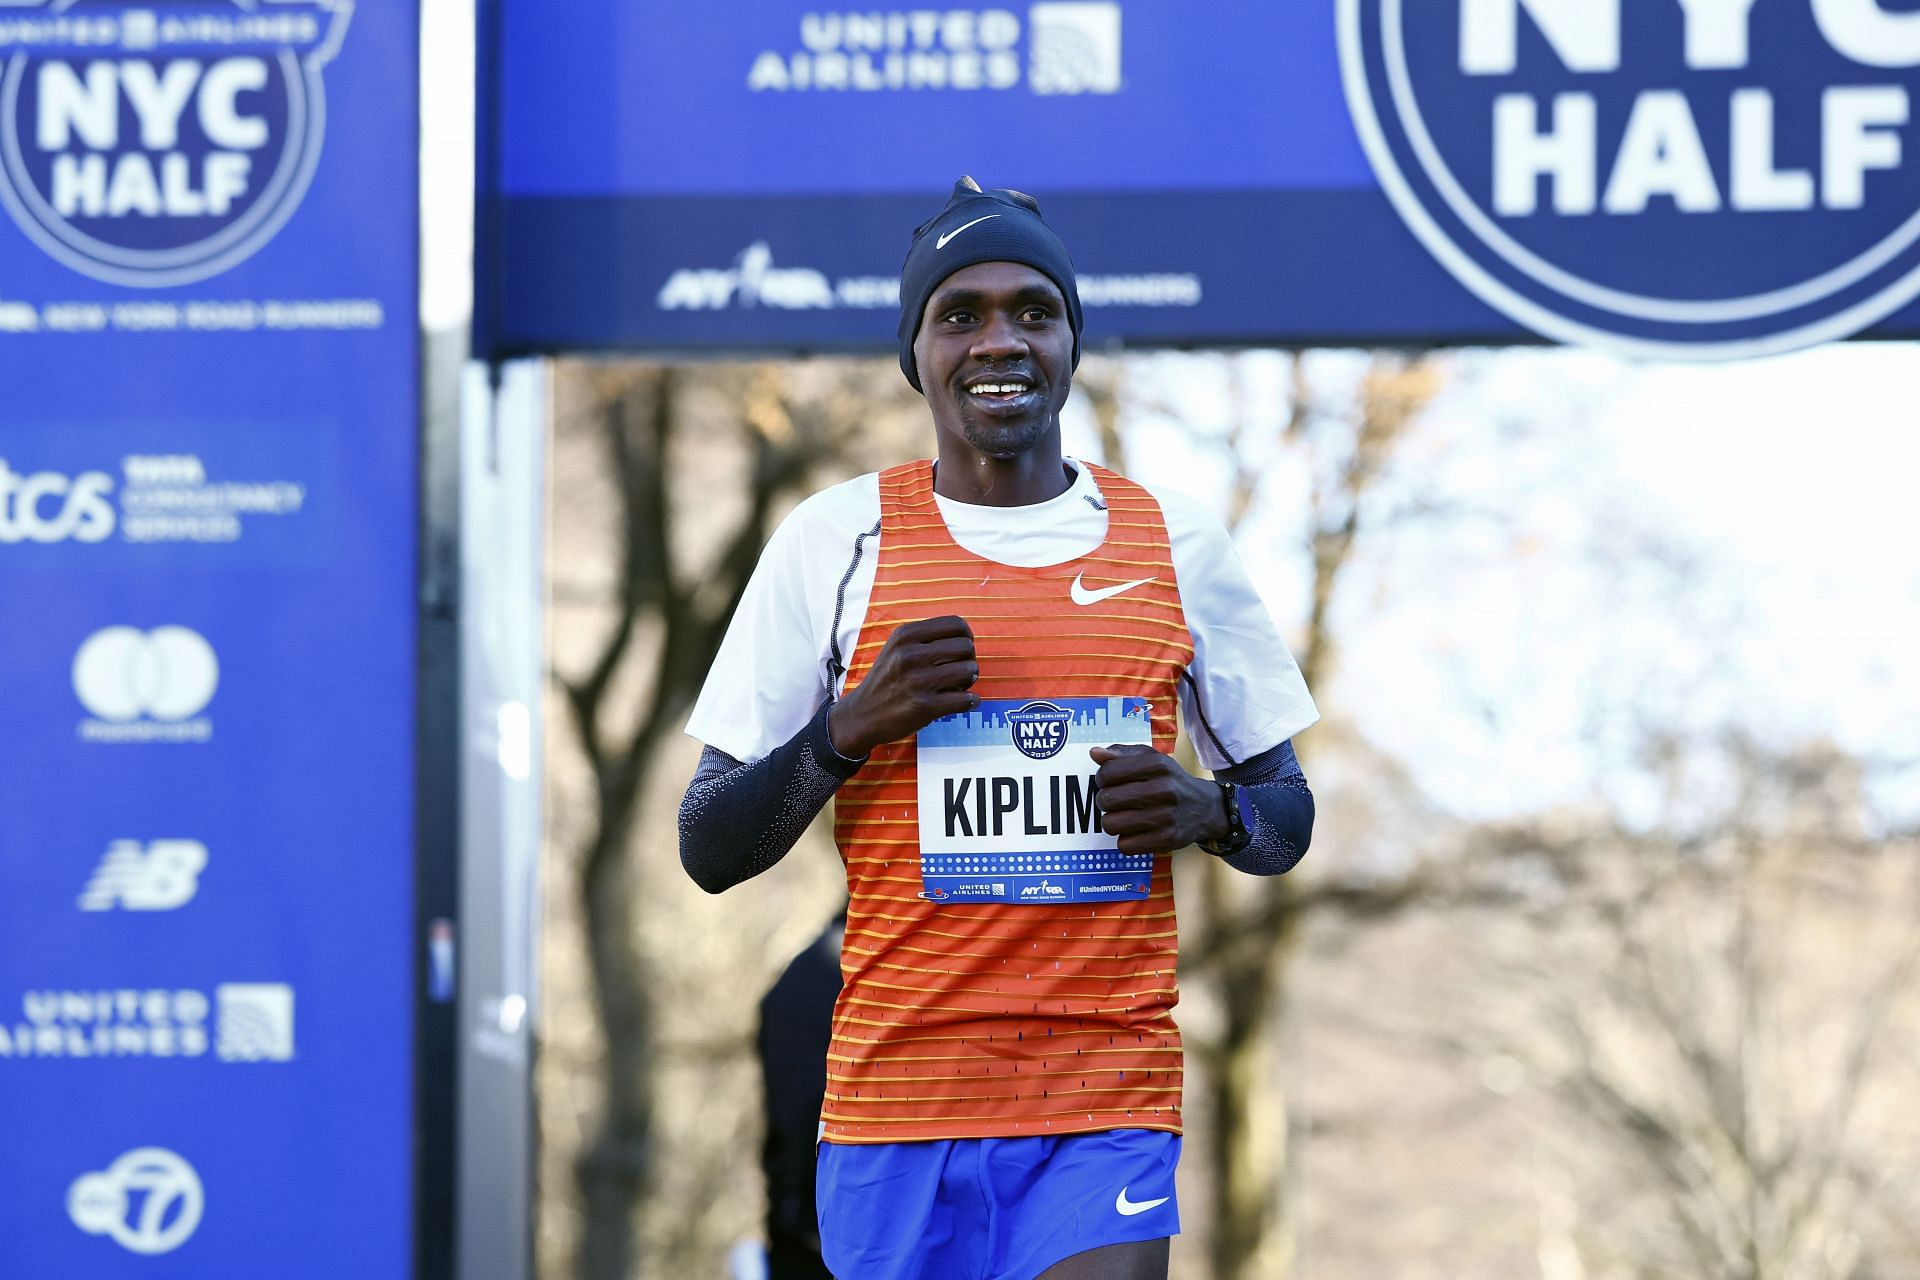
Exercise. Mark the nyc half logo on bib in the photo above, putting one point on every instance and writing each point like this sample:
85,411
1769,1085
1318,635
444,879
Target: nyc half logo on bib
158,144
1007,803
1681,179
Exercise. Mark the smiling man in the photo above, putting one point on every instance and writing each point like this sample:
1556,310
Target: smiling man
983,660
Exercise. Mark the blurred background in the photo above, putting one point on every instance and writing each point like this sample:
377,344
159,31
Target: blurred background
394,400
1602,961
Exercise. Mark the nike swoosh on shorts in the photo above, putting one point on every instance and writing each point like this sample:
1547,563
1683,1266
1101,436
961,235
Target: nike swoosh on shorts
1127,1208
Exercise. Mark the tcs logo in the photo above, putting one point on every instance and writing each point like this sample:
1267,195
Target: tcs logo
1701,179
161,144
45,506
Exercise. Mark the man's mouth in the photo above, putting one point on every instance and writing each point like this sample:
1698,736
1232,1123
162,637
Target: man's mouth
1003,393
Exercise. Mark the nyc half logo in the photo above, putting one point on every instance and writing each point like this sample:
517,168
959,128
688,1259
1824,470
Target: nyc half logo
1680,179
158,144
1039,729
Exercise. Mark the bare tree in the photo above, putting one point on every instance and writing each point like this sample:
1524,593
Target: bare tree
1718,1011
1248,932
669,610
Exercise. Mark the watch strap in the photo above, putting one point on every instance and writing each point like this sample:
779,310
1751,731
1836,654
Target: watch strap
1237,837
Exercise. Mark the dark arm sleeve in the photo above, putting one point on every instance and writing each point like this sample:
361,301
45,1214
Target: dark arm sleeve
1279,811
736,820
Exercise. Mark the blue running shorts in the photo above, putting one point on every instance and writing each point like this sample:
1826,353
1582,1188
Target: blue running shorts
991,1208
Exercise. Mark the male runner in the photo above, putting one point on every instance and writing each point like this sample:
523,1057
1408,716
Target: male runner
979,659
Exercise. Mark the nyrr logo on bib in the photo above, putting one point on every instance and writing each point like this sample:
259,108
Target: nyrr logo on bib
162,143
1693,179
1039,729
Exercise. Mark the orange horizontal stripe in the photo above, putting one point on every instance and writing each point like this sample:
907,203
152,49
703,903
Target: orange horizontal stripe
1001,1079
874,635
912,971
1156,1028
879,609
1129,958
960,553
922,515
892,1059
1031,1115
1022,935
1010,1037
1007,1010
1142,1091
838,1137
865,982
956,913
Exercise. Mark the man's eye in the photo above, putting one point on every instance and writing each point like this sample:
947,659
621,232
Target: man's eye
959,317
1032,314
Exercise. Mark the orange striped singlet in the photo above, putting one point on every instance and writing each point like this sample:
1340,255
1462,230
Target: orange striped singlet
987,1019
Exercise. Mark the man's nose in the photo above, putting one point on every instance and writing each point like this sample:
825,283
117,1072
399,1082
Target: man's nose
999,339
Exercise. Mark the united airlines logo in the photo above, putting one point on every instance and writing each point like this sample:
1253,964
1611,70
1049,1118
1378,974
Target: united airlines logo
1707,179
161,143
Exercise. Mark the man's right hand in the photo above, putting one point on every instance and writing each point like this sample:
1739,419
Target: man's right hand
926,670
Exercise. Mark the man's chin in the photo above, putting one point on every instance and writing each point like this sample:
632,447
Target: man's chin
1005,440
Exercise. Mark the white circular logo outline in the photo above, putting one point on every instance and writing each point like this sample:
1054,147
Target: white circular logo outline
231,245
1535,315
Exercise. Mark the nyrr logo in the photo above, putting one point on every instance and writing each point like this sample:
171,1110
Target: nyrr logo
163,143
1039,729
1694,179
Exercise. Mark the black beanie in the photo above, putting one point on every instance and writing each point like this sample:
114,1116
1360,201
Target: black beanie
980,226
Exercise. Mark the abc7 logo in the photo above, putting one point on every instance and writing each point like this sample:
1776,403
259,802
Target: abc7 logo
148,1201
169,673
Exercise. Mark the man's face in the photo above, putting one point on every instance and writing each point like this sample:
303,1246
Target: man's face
995,357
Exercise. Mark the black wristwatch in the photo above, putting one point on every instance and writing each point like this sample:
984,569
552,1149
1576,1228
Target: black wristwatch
1237,837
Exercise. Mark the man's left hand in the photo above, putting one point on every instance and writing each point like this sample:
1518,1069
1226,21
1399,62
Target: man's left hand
1153,804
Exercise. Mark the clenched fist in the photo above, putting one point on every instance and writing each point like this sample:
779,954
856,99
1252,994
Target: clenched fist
1153,804
926,670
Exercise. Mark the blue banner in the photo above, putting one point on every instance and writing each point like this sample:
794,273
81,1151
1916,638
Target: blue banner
208,470
747,175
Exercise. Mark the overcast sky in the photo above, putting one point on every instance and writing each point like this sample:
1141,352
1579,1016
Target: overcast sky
1618,548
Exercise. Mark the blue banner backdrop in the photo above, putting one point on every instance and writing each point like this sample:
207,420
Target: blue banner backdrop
208,459
745,176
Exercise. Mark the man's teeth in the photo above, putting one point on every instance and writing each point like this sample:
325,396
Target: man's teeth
998,388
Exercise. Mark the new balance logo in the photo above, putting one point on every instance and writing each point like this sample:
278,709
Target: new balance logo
163,875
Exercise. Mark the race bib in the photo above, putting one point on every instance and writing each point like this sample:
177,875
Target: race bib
1007,803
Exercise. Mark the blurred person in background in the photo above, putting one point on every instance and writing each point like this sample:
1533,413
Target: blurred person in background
796,1022
1014,634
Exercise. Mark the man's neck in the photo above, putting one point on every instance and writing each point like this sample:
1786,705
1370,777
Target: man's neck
1038,475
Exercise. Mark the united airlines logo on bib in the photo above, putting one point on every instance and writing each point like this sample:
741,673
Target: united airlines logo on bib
1693,179
162,143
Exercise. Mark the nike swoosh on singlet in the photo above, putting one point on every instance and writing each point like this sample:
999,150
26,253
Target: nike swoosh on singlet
1083,597
1127,1208
941,243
